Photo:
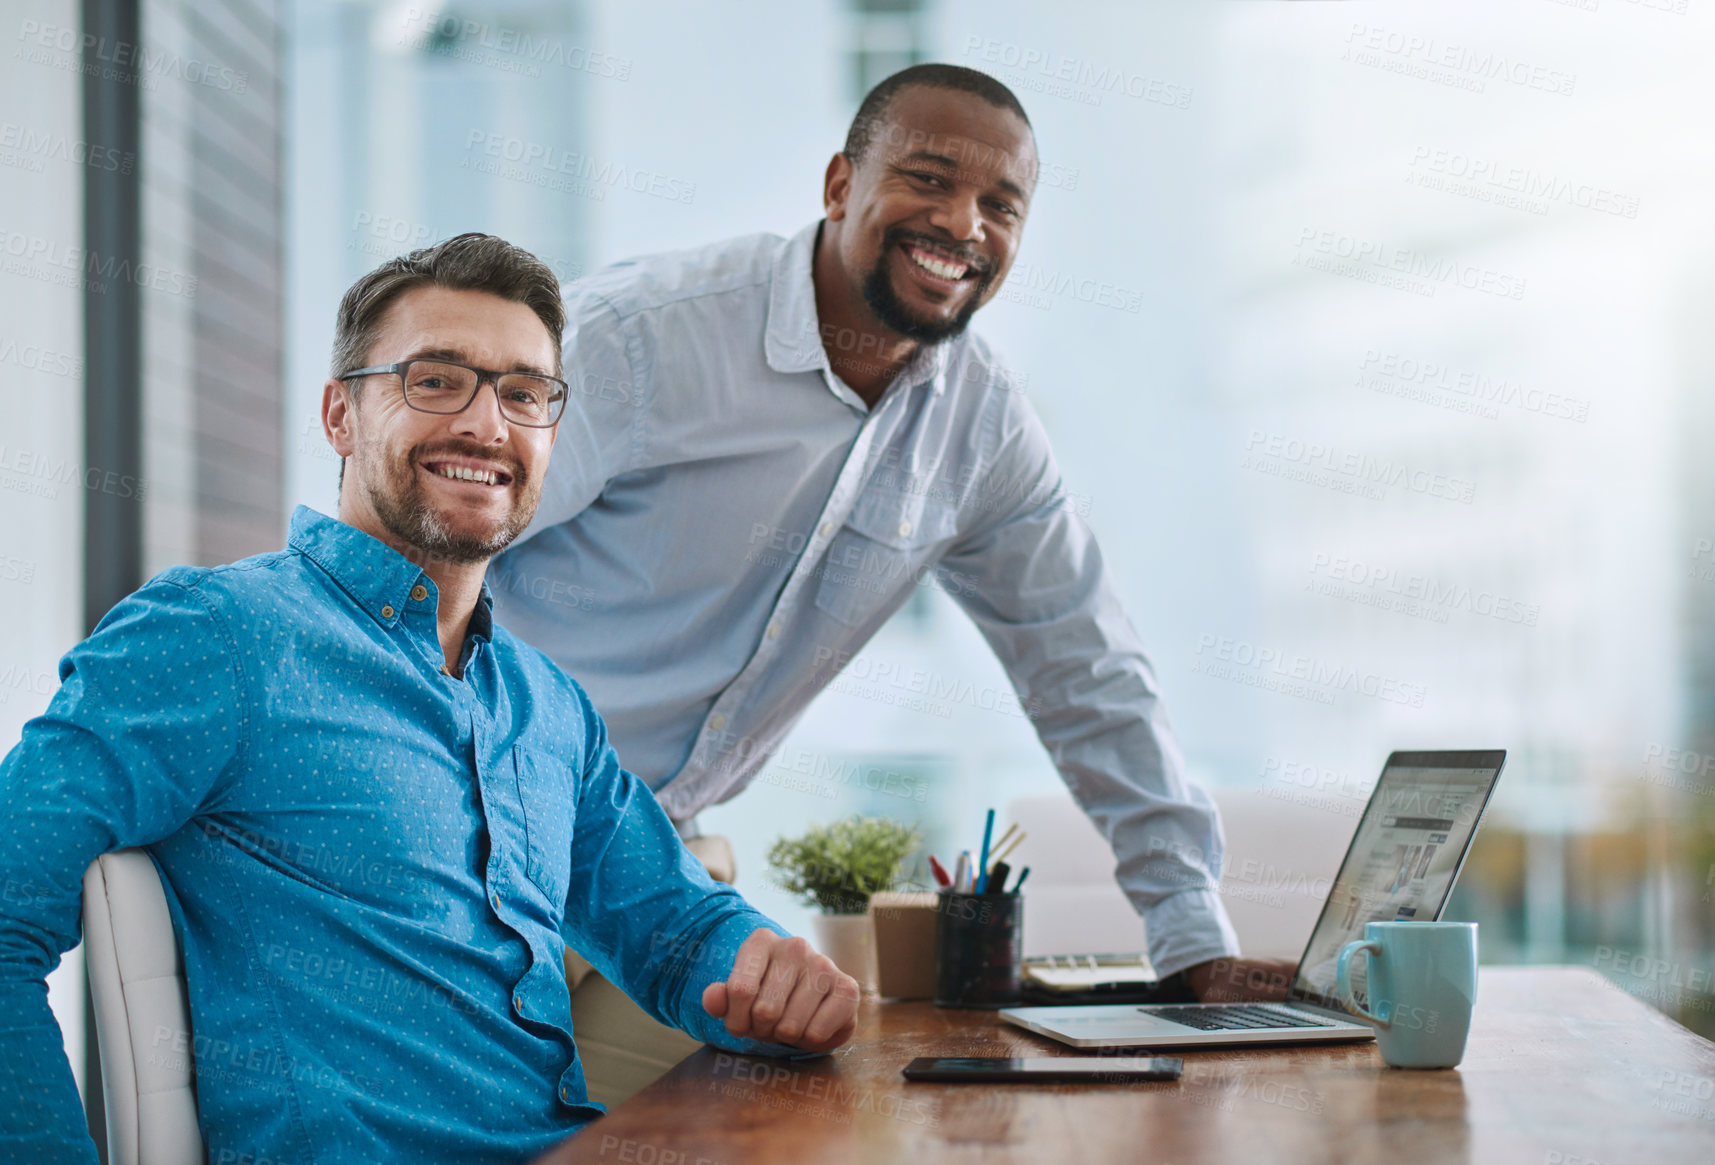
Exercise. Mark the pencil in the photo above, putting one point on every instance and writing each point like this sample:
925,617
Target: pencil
999,854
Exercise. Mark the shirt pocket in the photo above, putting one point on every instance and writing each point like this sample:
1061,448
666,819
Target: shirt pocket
545,791
876,557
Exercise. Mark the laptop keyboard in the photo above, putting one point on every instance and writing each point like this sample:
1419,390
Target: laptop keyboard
1235,1017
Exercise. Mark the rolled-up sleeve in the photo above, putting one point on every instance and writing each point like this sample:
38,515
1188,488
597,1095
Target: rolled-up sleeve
147,719
1032,578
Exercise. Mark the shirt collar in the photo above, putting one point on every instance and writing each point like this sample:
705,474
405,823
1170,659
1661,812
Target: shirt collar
793,339
377,577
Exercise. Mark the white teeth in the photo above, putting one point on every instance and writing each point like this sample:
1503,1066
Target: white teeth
939,267
464,473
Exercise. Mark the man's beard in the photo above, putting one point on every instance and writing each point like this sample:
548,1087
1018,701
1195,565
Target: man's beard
878,293
400,503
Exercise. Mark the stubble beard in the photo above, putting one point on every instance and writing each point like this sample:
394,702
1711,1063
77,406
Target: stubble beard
879,294
404,510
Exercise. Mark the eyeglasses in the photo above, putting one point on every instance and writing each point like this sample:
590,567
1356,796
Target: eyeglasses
440,386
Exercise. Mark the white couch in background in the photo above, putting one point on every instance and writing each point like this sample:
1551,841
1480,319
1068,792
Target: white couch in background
1280,858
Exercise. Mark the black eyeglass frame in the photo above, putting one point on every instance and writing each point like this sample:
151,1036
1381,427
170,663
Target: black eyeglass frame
483,376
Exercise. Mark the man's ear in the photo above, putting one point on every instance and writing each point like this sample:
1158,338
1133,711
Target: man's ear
339,417
837,186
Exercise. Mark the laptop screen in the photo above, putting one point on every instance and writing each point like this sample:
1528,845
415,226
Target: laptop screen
1408,848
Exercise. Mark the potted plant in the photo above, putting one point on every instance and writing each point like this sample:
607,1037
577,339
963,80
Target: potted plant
837,867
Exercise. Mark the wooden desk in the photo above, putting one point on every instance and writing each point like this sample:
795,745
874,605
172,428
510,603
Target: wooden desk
1562,1069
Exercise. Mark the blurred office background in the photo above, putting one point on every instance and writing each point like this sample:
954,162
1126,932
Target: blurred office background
1373,339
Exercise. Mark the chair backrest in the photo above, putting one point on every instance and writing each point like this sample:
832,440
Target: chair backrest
142,1013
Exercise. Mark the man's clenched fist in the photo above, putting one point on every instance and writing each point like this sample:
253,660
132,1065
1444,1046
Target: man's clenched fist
781,990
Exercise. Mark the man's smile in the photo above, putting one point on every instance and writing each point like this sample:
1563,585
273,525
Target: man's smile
468,470
937,268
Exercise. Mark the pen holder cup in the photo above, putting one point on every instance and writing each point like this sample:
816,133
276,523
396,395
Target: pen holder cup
979,947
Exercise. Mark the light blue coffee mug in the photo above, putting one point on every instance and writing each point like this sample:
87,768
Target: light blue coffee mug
1422,983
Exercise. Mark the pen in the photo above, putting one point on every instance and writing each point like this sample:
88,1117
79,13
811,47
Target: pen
983,862
961,871
997,876
1022,874
940,872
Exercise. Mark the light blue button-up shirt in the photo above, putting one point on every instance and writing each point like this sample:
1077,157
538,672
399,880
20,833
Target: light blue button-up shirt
373,868
725,524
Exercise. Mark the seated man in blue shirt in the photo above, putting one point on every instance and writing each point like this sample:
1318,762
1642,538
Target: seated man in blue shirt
379,818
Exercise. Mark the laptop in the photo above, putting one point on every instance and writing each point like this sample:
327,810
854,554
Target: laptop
1402,863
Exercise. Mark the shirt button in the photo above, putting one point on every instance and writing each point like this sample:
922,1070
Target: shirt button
566,1093
495,898
905,529
518,1002
827,529
419,593
773,630
387,612
717,722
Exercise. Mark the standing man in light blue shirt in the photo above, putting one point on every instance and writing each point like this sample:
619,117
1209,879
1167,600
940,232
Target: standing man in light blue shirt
378,817
772,440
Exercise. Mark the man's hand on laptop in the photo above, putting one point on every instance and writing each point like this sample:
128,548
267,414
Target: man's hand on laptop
1234,980
782,991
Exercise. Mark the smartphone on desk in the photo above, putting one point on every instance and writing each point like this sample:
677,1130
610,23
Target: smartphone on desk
1045,1069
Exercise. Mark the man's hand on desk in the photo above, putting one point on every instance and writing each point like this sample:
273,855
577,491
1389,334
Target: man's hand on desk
782,991
1233,980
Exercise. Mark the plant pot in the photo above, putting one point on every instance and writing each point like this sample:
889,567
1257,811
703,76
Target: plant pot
849,940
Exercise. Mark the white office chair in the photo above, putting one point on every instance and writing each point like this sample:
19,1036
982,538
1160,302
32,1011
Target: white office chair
142,1014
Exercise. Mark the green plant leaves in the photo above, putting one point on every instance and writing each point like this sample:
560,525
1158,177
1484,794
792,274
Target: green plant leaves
837,867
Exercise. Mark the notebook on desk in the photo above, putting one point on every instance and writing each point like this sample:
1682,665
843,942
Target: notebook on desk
1402,863
1059,980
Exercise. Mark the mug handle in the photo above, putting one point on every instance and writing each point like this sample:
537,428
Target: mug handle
1343,980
